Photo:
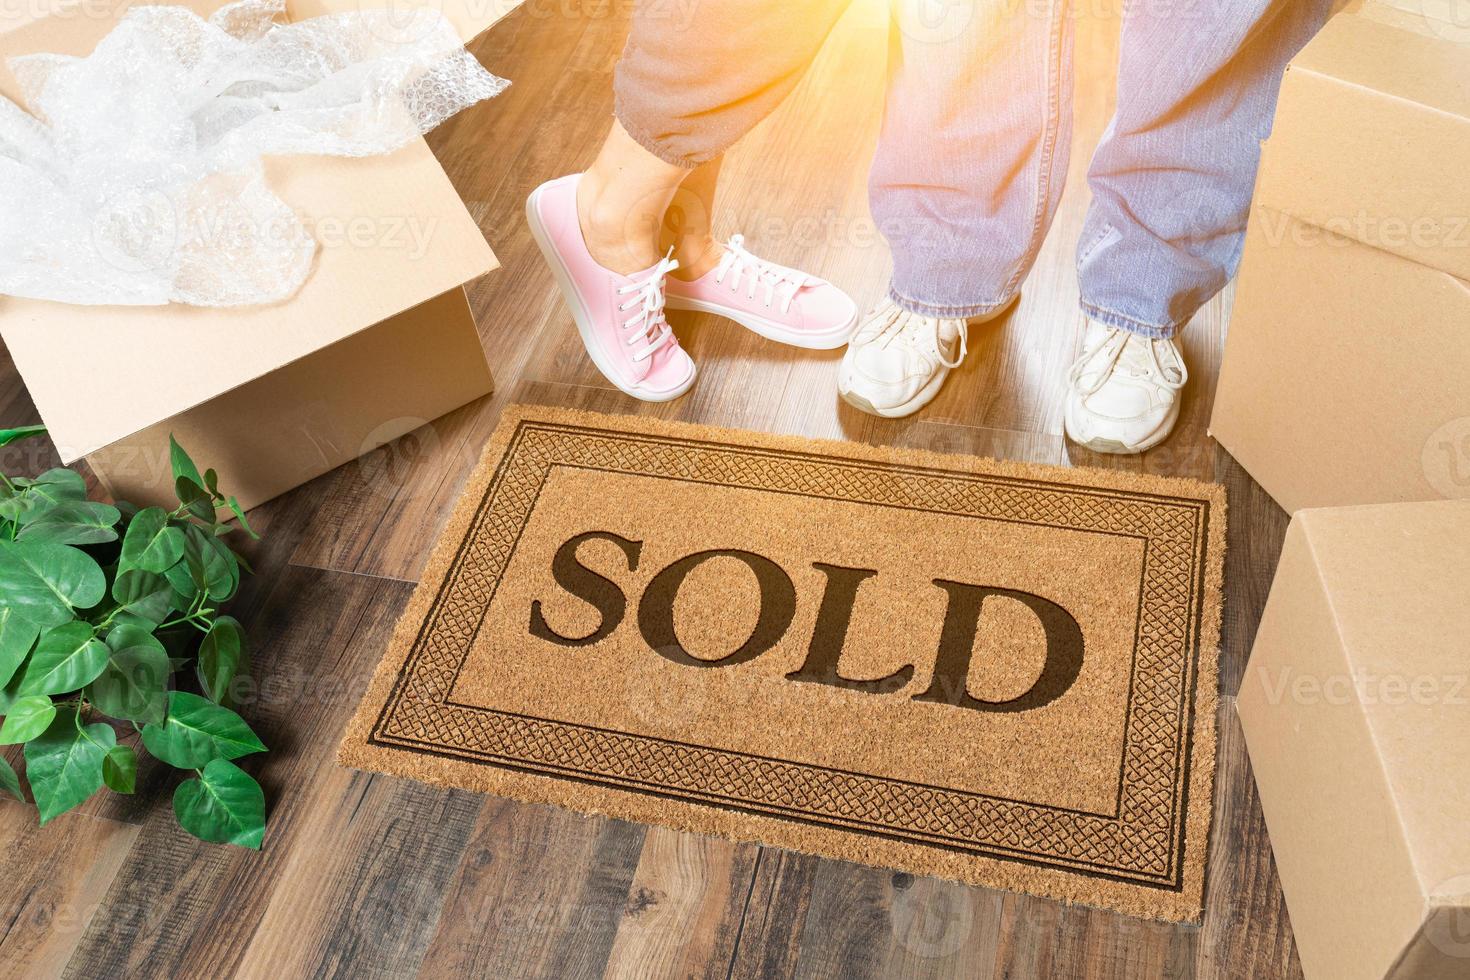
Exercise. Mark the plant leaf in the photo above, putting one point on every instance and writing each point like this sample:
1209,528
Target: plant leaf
146,595
222,569
74,522
67,657
7,436
183,466
24,507
208,566
196,731
9,694
186,577
9,781
120,769
27,718
34,497
239,513
189,485
64,765
195,499
219,657
45,582
17,636
134,684
223,806
56,486
151,543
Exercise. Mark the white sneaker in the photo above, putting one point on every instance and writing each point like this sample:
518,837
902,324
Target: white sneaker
897,361
1123,392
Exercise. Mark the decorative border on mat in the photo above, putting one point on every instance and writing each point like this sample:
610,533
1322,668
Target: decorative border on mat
1142,844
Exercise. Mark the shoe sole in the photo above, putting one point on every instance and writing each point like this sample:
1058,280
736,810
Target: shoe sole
922,397
580,316
1114,447
768,329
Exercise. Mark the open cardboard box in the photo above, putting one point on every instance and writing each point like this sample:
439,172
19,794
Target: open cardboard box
1356,711
379,341
1346,373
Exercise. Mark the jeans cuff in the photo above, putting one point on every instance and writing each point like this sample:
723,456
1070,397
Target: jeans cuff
1122,321
949,312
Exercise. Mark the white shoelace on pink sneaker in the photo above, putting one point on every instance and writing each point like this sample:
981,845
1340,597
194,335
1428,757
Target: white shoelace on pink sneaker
648,325
778,281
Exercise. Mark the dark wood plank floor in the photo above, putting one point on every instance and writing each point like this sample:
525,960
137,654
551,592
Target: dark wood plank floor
366,875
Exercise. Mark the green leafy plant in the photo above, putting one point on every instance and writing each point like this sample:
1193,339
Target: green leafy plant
102,610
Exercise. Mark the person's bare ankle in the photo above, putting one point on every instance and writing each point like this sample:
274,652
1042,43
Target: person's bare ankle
697,257
606,230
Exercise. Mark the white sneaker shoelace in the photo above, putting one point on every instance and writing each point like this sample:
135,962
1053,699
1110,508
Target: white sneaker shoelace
916,333
648,324
1135,355
778,282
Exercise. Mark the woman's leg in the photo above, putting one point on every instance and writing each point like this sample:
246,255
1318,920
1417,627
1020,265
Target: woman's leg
622,200
688,226
692,81
634,209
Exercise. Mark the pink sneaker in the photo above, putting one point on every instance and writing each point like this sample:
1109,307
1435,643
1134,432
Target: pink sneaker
780,304
620,318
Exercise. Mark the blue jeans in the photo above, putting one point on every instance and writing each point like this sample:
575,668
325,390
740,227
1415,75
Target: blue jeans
977,129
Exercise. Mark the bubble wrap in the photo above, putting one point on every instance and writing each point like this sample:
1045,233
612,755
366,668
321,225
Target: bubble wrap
136,177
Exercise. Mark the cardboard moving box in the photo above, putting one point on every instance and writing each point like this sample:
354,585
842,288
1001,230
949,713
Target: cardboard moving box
1346,374
1356,710
379,341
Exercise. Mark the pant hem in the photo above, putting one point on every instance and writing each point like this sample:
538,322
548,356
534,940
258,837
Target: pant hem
1122,321
948,312
653,146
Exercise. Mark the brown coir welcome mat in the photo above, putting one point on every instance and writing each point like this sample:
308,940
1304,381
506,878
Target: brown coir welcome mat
999,673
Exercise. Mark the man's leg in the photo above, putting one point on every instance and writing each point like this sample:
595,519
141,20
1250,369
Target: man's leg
973,151
1172,178
966,180
1171,184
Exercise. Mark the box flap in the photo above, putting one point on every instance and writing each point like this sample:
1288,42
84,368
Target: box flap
392,233
1397,577
1371,138
1382,55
